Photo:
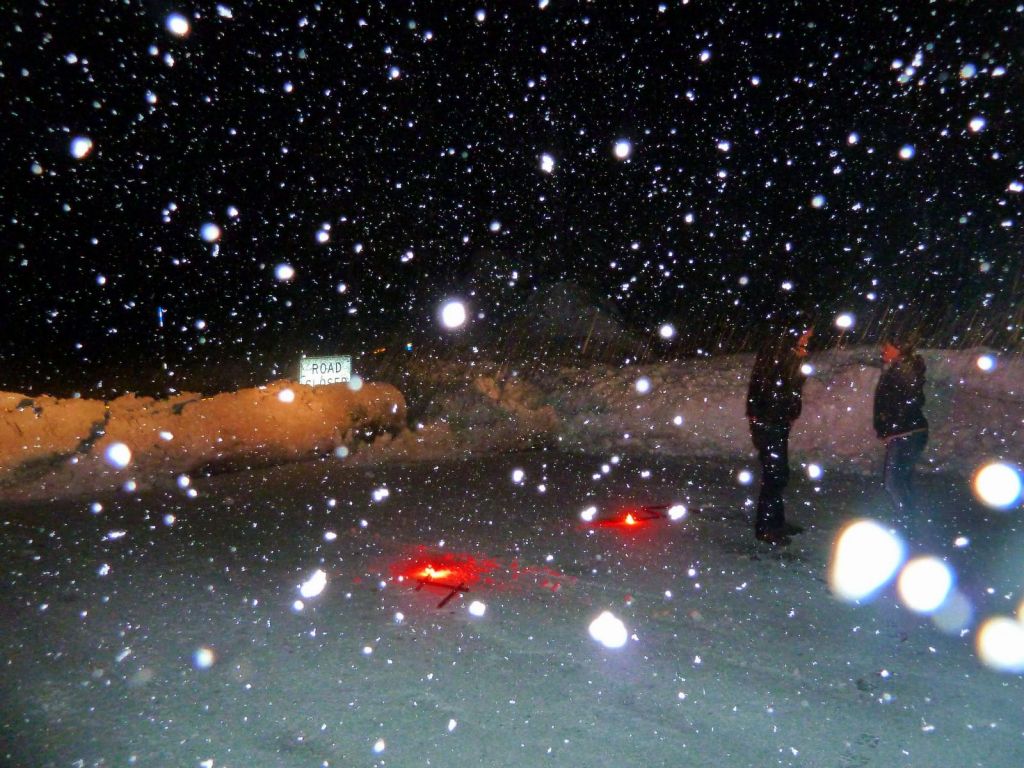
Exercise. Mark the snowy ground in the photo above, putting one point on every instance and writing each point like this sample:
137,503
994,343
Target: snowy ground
178,642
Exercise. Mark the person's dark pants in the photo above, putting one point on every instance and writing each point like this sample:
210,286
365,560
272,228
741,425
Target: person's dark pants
772,444
901,454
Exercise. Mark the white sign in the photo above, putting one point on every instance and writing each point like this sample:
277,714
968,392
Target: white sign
316,371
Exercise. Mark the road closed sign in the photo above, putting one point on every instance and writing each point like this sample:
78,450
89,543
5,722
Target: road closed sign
317,371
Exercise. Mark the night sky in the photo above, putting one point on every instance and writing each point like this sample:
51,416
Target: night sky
826,157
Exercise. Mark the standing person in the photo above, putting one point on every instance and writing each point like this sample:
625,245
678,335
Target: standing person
774,400
900,422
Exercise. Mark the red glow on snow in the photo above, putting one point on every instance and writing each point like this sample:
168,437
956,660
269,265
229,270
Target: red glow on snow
426,567
632,519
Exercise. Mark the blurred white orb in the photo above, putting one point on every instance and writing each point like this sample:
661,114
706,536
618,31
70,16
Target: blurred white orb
924,584
814,471
976,124
453,314
844,321
210,232
286,395
476,608
284,272
587,515
204,657
667,331
818,201
608,630
518,475
677,512
745,477
314,585
177,25
998,485
643,385
907,152
623,149
119,455
865,557
80,147
547,163
1000,644
986,363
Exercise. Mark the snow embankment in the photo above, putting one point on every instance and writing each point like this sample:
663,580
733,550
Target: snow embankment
57,446
697,408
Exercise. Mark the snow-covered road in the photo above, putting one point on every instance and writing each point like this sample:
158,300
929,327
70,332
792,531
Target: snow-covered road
157,629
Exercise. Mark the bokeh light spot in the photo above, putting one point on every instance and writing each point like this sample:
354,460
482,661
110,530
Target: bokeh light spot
608,630
998,485
924,584
864,558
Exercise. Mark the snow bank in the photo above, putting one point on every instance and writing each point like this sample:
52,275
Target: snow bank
53,444
697,408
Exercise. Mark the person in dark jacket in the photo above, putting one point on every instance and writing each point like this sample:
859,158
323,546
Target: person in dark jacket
900,422
774,401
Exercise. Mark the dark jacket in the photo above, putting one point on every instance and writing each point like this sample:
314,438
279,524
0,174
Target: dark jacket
899,398
776,385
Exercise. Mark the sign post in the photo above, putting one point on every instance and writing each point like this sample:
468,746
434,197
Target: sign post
318,371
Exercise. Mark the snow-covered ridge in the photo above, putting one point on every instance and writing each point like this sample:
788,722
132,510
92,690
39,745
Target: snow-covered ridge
697,408
55,447
692,407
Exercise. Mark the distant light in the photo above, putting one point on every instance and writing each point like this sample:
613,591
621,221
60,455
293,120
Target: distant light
998,485
667,331
744,280
379,746
284,272
323,236
204,658
286,395
476,608
787,285
80,147
1016,186
177,25
314,585
976,124
677,512
907,151
986,363
924,584
807,369
547,163
518,475
184,481
494,226
705,55
330,536
814,471
232,212
853,138
1000,644
818,201
587,515
844,321
394,73
723,146
643,385
210,232
677,420
453,314
623,149
119,455
967,71
864,558
452,723
608,630
745,477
